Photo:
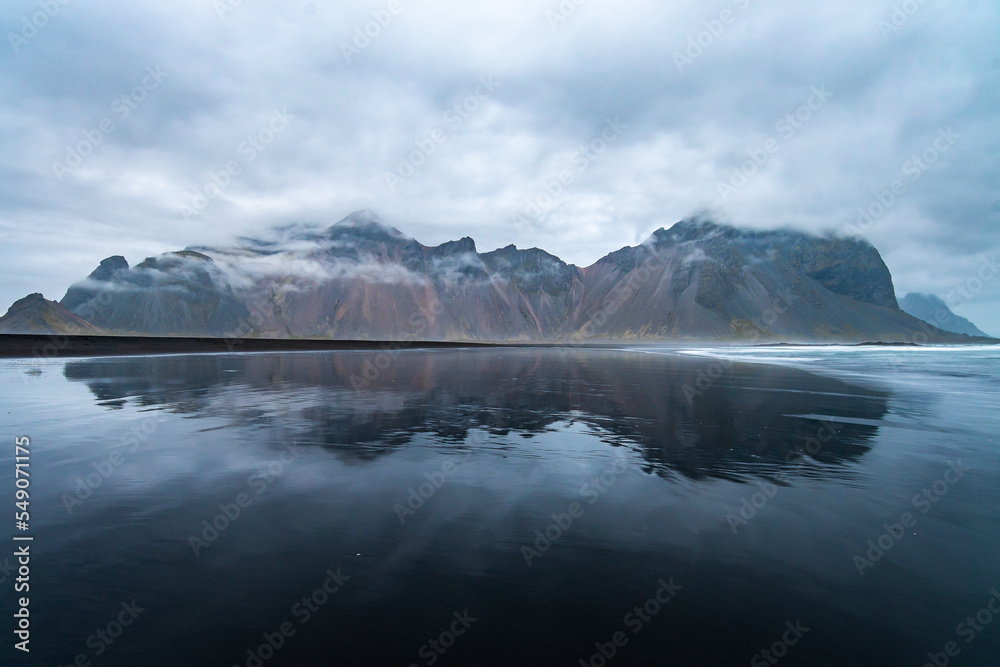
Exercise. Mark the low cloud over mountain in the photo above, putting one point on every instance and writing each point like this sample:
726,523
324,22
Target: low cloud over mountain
361,278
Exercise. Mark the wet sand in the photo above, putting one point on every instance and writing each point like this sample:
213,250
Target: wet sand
48,346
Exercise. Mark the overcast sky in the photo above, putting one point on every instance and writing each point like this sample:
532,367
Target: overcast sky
575,128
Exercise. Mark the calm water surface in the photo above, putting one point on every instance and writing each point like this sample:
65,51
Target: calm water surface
649,506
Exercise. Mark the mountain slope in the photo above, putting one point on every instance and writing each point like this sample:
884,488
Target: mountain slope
361,278
700,279
931,308
34,314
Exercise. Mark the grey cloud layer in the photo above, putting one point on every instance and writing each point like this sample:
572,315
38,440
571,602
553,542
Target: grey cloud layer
700,90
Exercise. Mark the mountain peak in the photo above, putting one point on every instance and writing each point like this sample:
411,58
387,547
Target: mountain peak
699,223
108,267
35,297
362,217
465,245
930,299
689,229
34,314
367,222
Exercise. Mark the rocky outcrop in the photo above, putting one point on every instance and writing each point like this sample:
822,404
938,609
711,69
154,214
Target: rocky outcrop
34,314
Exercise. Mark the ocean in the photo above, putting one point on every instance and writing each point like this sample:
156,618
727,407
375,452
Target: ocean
653,505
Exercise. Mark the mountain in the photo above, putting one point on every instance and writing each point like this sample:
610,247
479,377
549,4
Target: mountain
931,308
34,314
701,279
179,293
362,278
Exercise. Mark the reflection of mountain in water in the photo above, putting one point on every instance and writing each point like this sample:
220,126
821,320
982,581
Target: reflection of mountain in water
742,424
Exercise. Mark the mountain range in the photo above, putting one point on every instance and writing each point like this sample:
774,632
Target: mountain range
362,279
932,308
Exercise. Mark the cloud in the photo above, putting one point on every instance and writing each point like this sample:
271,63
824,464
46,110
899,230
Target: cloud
298,274
206,128
697,255
456,268
296,257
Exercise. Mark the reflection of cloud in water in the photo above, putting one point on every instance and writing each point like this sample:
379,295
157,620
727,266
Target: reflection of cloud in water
743,425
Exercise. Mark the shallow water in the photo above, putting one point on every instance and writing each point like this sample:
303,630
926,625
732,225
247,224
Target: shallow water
512,506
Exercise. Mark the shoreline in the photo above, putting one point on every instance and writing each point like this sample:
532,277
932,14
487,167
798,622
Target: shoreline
49,346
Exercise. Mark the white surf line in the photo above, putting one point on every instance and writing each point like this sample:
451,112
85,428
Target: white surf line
808,391
891,424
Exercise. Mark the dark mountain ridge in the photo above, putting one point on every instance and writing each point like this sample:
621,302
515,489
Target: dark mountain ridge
362,279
